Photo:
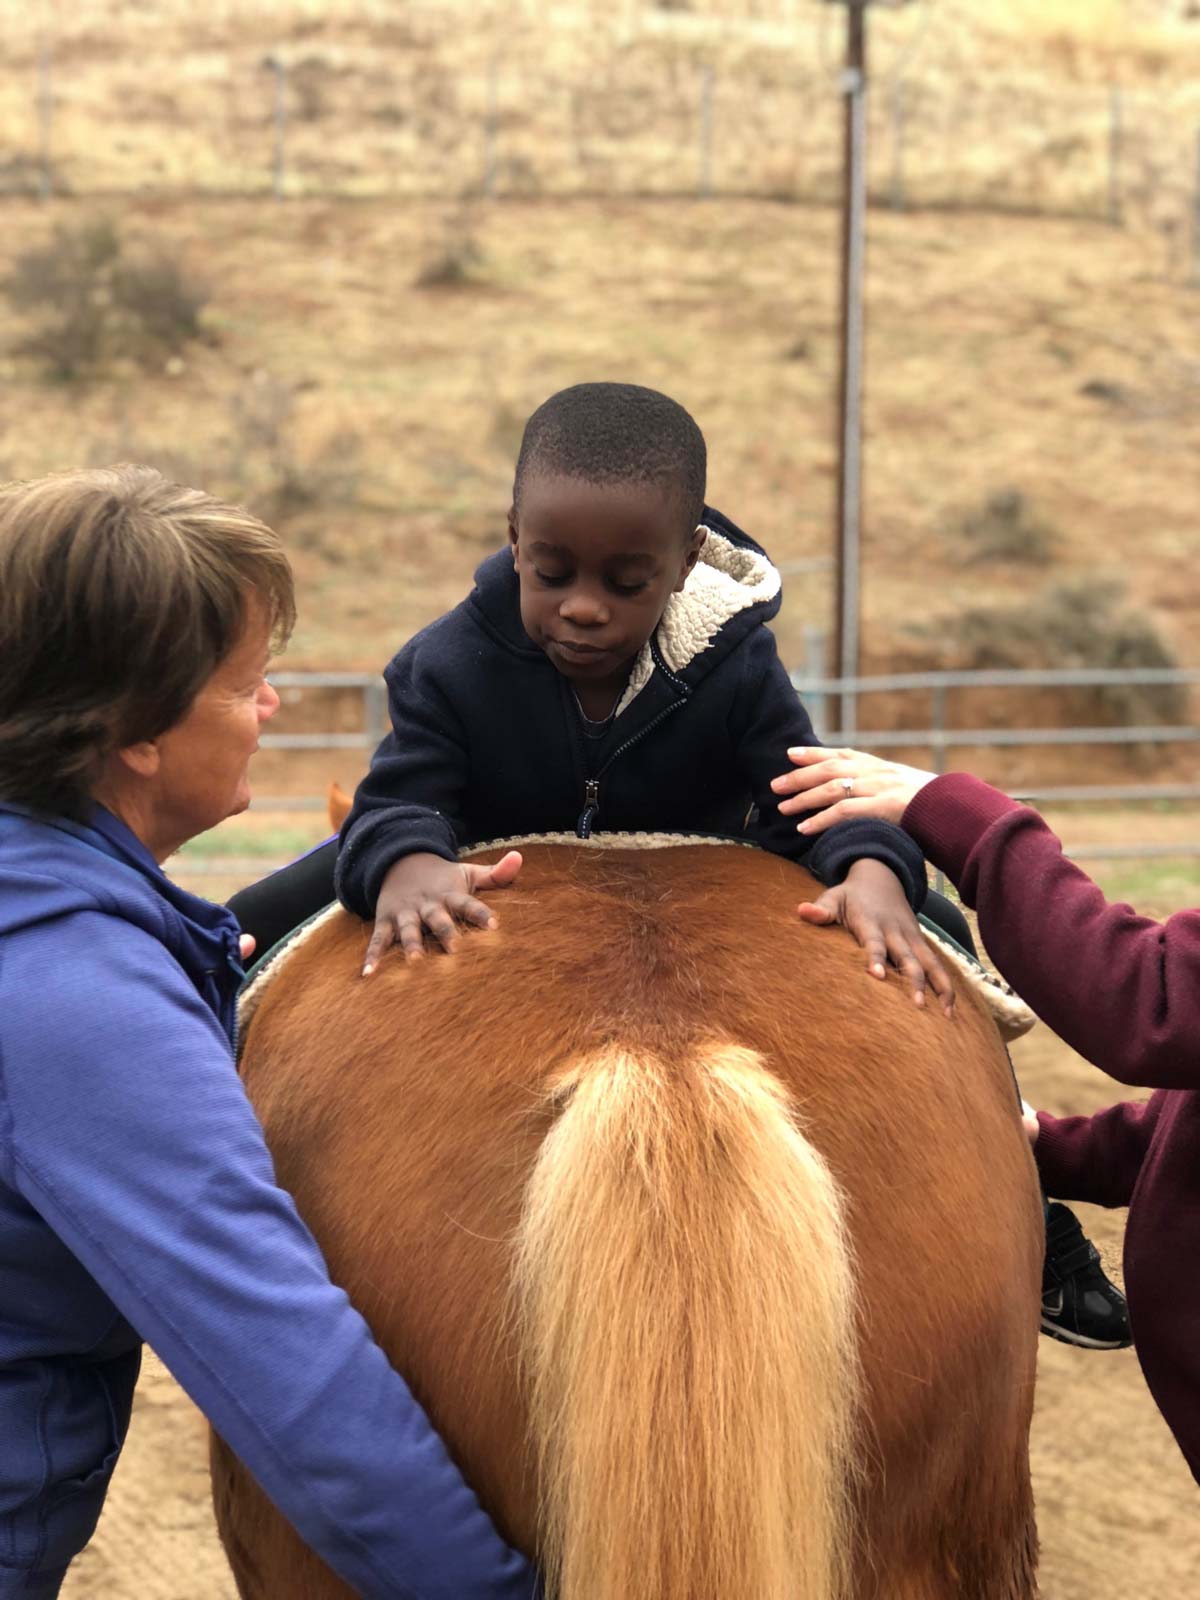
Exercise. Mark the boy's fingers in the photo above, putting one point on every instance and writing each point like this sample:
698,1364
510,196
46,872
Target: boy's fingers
440,923
813,911
381,942
871,937
497,876
938,976
467,909
246,944
410,935
905,959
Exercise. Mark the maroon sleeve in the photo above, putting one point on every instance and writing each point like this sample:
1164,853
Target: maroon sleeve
1096,1158
1122,990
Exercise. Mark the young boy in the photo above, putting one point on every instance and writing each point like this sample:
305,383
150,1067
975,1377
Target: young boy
612,669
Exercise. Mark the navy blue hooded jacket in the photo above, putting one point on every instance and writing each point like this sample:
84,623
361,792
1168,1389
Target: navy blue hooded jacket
488,741
138,1200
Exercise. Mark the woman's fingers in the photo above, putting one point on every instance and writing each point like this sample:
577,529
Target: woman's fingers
1030,1122
829,792
830,815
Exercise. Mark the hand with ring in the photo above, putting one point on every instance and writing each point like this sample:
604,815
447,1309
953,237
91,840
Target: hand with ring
836,785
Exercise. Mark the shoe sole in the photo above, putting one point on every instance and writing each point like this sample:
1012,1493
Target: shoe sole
1053,1331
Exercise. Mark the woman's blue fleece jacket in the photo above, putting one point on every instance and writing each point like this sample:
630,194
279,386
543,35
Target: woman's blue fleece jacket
487,741
138,1201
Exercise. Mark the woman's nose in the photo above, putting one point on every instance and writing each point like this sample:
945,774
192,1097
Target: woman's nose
268,701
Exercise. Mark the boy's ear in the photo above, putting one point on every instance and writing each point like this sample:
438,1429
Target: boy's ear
512,529
690,556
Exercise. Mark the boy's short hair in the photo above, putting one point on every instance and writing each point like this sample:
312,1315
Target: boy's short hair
120,595
617,432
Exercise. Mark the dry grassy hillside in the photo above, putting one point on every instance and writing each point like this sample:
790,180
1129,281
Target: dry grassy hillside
376,419
977,100
1033,404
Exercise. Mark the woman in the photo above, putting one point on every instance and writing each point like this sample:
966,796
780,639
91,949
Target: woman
1120,989
137,1199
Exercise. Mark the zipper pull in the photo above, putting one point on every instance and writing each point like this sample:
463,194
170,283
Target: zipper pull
591,805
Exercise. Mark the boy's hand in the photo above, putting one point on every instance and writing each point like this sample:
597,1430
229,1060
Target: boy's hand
870,902
423,892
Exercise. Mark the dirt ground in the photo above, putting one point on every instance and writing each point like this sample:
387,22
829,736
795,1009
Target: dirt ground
1117,1508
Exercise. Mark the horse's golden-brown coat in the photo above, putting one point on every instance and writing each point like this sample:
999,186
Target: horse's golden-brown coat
406,1114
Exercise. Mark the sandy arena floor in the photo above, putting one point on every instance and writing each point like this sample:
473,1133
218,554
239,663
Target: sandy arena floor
1118,1510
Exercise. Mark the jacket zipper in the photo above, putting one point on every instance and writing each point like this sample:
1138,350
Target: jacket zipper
591,787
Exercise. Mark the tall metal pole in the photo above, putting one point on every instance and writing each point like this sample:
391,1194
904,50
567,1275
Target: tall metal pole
45,102
849,511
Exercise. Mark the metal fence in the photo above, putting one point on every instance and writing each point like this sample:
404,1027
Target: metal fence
934,740
511,103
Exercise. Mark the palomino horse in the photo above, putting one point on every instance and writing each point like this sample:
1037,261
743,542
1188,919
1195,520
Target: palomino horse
714,1260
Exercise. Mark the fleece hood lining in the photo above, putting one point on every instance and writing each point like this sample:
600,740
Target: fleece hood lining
726,580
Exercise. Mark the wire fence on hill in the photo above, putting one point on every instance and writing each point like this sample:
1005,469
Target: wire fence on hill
661,111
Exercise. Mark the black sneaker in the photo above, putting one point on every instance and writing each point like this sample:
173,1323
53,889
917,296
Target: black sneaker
1079,1304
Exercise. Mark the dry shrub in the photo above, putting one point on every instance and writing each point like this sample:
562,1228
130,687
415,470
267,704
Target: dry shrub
266,465
457,262
1086,623
94,306
1006,528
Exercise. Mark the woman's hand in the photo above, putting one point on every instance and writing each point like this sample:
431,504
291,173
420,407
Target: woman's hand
839,785
871,903
423,892
1030,1122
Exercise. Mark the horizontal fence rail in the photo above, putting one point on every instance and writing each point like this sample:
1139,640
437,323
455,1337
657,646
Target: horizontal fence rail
817,693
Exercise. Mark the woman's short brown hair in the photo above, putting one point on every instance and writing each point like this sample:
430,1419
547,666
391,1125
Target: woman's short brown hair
120,595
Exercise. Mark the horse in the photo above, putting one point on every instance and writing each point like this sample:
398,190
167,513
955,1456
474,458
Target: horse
714,1260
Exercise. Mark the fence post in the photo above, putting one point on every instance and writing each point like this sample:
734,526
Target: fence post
898,197
706,132
813,672
278,66
45,103
489,128
939,727
1115,136
375,713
